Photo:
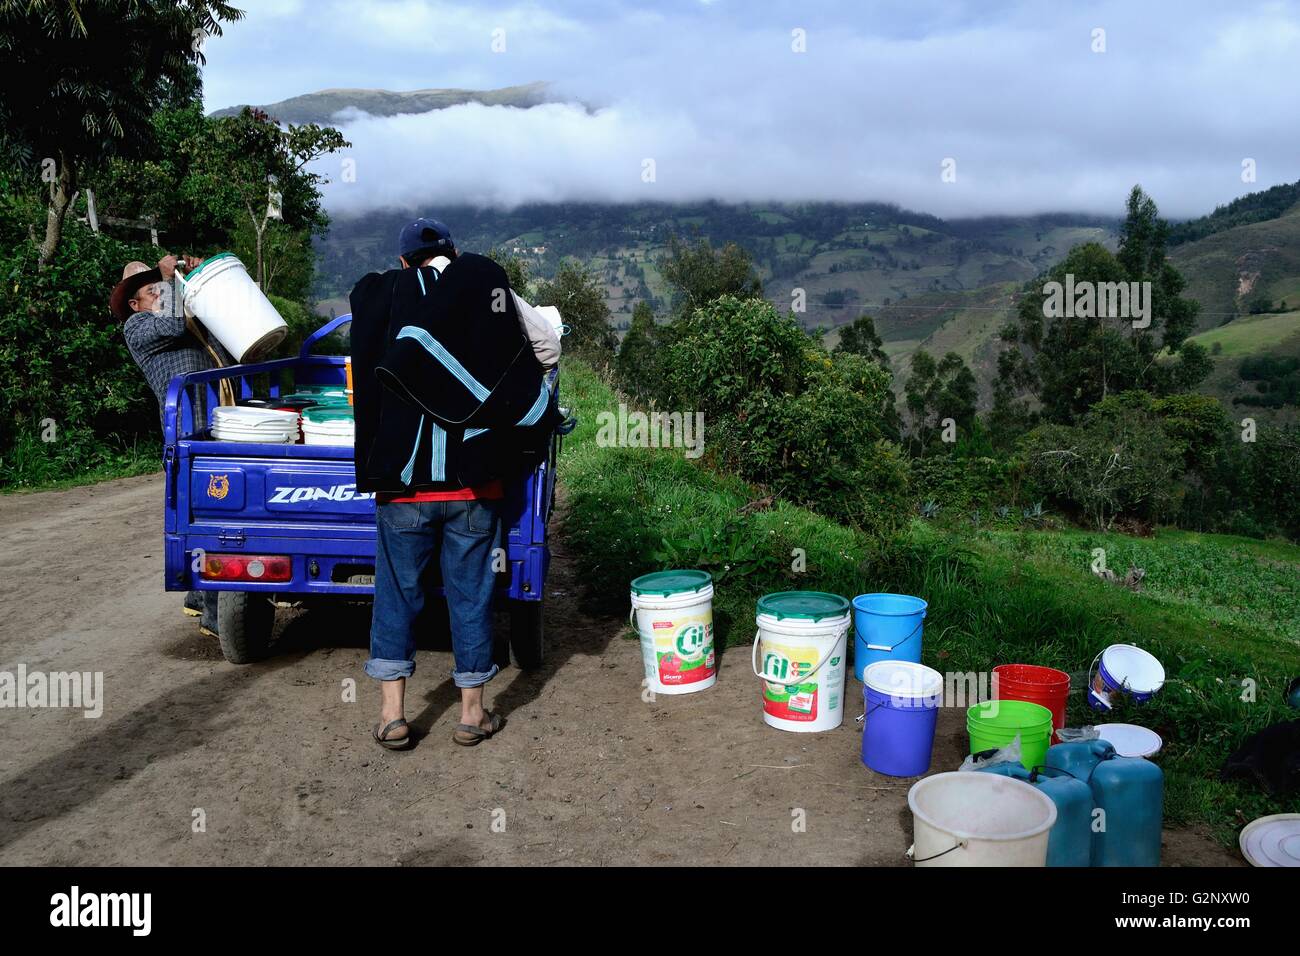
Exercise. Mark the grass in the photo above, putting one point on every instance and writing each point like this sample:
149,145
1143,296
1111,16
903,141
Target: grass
1251,334
32,465
1216,610
1230,580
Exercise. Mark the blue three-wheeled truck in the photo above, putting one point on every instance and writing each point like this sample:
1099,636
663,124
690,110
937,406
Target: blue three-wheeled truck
264,524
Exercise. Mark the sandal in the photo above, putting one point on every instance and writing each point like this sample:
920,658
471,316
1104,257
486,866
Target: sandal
467,735
392,743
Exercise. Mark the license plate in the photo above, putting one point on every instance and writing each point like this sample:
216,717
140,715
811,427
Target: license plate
361,579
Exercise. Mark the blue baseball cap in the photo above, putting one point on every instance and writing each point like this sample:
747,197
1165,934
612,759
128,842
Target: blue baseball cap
424,234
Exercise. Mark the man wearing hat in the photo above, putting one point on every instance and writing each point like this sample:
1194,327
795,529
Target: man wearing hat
449,400
165,344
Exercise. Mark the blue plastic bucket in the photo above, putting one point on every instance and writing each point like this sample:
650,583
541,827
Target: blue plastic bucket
886,627
1123,669
901,702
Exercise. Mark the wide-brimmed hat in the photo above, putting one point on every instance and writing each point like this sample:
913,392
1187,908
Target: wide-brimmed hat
134,275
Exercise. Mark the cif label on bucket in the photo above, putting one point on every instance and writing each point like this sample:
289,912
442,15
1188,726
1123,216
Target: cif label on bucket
789,696
673,614
799,654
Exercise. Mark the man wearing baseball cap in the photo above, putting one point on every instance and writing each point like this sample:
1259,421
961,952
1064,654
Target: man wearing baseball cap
438,363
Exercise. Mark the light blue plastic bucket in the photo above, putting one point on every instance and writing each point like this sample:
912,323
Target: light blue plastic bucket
887,627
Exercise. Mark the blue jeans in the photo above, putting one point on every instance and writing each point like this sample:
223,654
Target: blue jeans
461,535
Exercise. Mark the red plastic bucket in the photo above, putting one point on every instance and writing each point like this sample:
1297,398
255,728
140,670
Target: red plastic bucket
1038,685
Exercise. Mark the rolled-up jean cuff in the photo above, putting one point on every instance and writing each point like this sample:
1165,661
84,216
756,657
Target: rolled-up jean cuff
473,678
389,670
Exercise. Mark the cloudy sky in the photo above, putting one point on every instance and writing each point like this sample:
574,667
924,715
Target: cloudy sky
1027,107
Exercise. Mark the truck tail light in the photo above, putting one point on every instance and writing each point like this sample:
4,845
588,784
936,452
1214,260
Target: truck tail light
247,567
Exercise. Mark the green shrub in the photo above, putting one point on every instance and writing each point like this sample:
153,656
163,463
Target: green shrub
639,367
781,411
1251,488
303,322
63,360
961,483
1107,467
580,298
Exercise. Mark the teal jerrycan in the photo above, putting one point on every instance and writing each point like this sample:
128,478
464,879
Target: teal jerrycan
1070,842
1078,758
1128,792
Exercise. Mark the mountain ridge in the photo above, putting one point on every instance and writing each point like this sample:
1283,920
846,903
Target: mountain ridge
322,105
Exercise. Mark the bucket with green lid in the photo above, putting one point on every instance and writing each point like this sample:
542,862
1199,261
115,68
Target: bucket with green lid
328,425
800,653
224,299
673,614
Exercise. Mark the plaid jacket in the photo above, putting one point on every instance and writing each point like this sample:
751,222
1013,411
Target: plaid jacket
164,347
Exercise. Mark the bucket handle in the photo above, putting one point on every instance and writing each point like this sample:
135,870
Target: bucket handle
1093,666
753,661
1089,693
886,647
911,851
863,716
1042,770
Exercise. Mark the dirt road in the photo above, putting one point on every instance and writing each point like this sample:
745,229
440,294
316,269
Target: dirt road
196,761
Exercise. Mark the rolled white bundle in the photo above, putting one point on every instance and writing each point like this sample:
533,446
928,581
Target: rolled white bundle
541,326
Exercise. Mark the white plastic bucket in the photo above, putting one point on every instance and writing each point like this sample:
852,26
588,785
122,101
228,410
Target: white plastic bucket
803,662
979,819
219,293
675,625
317,435
328,425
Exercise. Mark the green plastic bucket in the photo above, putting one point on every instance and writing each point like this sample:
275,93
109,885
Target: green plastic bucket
995,723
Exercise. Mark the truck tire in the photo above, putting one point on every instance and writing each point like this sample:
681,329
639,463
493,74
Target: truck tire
526,634
244,624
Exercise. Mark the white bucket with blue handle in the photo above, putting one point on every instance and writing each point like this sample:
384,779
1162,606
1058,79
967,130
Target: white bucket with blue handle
886,627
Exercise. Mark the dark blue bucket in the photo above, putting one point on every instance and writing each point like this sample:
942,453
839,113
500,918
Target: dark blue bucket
901,701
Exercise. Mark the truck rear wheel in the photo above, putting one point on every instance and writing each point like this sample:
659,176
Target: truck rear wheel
526,634
244,624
